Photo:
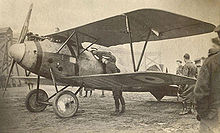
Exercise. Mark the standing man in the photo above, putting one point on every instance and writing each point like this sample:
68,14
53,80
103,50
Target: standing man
179,70
189,70
207,91
109,60
199,62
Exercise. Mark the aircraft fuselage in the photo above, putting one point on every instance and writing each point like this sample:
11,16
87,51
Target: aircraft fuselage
40,56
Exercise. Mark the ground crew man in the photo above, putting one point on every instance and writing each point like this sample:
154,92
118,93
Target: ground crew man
189,70
179,70
207,92
109,60
198,65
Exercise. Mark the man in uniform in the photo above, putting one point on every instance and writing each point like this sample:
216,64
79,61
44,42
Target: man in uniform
179,70
207,91
109,60
189,70
198,63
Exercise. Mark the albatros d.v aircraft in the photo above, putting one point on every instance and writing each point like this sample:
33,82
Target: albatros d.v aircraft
62,58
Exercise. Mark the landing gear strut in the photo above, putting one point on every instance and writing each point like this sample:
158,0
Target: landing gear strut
35,98
65,103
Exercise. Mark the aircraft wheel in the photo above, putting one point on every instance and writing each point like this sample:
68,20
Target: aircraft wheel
65,104
31,102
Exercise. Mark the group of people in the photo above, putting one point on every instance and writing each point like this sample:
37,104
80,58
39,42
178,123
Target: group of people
205,94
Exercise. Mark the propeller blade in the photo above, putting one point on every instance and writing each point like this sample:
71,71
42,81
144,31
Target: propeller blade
21,39
24,29
9,74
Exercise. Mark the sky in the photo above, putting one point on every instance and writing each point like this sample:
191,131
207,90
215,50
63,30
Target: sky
49,14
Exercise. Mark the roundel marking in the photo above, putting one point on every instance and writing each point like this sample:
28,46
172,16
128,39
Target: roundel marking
150,79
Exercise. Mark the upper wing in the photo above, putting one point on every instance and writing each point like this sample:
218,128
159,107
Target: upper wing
113,31
129,80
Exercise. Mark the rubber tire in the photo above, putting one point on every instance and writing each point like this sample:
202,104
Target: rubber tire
55,101
30,95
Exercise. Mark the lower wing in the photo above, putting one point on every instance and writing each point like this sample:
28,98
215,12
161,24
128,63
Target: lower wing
129,80
33,80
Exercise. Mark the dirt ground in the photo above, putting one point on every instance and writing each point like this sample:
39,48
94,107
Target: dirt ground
143,114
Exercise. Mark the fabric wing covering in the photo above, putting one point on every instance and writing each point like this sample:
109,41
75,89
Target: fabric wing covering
113,31
138,79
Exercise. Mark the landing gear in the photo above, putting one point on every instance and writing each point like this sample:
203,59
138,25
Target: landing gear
65,104
33,100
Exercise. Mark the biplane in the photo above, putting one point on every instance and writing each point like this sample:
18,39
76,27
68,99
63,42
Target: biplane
62,58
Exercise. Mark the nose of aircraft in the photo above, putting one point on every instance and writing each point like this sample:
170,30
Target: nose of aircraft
17,51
